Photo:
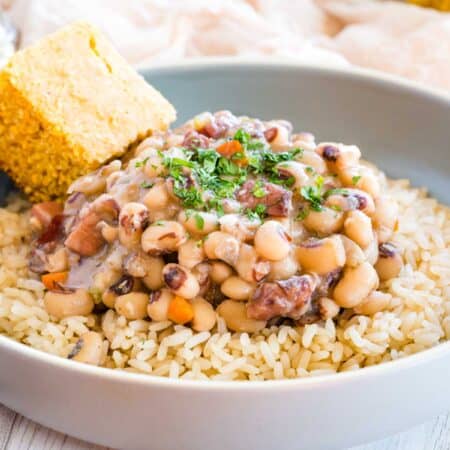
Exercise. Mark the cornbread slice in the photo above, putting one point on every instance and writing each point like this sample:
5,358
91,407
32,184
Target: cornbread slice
68,104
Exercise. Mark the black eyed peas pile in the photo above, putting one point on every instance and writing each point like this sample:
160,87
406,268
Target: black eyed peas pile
227,215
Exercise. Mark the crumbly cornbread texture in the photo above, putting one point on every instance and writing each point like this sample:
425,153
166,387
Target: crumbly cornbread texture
67,105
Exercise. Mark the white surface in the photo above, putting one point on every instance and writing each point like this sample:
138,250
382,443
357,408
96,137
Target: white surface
18,433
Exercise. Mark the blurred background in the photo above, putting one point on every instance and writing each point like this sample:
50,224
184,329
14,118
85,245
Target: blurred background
392,36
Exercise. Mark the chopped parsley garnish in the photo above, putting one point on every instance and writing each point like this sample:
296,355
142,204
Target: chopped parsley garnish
314,196
258,189
256,214
336,191
190,197
199,221
302,214
242,136
309,169
260,210
158,223
141,163
146,185
355,179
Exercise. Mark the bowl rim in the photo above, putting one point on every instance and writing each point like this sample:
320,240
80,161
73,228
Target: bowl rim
384,369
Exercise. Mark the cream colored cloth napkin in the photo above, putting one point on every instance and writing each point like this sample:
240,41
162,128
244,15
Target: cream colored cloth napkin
388,36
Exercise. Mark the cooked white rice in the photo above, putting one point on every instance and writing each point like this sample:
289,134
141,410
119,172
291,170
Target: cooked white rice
417,318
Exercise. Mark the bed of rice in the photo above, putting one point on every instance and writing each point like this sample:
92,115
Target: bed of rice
418,316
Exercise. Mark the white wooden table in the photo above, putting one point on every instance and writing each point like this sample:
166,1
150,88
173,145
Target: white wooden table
18,433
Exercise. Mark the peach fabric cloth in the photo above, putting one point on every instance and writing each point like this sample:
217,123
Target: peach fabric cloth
385,35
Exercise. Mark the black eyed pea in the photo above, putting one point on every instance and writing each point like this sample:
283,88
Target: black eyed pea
239,226
199,222
68,303
235,316
204,315
164,236
375,302
324,222
286,268
158,305
191,253
132,306
109,232
88,349
201,273
220,271
295,170
385,218
223,246
236,288
328,308
355,285
358,227
249,266
181,281
57,261
321,255
369,183
350,200
272,241
312,159
133,218
154,164
389,263
354,255
371,251
150,144
338,156
278,137
88,185
156,197
105,278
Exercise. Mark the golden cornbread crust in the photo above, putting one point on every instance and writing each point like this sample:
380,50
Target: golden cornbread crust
68,104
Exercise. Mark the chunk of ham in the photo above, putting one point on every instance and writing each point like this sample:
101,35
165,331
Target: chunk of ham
287,298
86,238
278,201
45,212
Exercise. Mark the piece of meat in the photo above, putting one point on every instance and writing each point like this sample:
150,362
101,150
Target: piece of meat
287,298
192,140
45,212
278,201
86,238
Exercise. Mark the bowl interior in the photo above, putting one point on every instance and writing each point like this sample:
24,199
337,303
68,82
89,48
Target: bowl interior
399,127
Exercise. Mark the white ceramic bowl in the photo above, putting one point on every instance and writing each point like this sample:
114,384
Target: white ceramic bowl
133,411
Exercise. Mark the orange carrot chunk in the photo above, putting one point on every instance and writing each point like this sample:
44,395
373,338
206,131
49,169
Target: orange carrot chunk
180,310
229,148
51,280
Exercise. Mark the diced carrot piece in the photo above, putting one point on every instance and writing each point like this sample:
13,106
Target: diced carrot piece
51,280
229,148
180,310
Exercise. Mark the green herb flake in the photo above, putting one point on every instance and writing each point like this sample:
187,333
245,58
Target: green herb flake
138,164
242,136
260,210
258,189
199,221
355,179
309,169
146,185
335,191
302,214
158,223
96,294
